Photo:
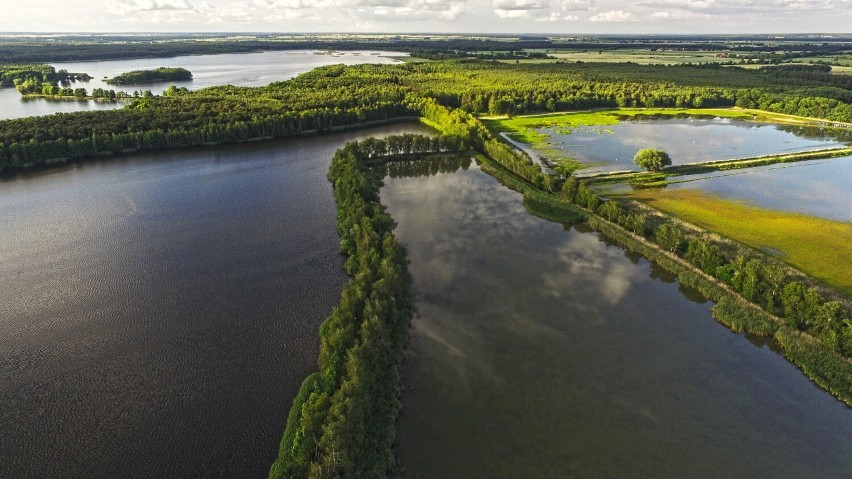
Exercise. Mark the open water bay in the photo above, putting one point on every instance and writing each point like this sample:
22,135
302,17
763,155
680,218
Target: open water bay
159,311
551,353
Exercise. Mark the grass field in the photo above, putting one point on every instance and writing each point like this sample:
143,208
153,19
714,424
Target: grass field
819,247
841,64
641,56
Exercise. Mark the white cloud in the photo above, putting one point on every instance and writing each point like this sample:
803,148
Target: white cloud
506,16
540,10
677,15
614,16
573,5
520,8
725,7
124,7
407,10
556,17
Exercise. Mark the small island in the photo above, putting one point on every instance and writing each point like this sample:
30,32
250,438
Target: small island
162,74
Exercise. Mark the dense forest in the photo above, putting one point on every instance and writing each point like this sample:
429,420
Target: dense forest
336,95
161,74
769,49
15,75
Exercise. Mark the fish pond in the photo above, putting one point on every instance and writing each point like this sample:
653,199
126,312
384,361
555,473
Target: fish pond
547,351
605,142
819,188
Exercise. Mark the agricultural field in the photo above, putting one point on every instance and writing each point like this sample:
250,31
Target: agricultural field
641,56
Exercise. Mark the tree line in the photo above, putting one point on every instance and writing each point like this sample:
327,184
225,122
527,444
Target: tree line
757,280
338,95
342,422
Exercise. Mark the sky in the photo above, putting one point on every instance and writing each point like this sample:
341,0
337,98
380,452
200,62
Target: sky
432,16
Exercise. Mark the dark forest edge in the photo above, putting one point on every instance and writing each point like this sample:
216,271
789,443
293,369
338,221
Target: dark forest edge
735,49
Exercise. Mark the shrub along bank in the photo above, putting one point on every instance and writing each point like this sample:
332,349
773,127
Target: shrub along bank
753,294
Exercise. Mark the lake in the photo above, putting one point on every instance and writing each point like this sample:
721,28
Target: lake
540,351
159,311
686,140
240,69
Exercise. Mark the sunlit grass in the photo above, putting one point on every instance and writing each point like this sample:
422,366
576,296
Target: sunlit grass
820,247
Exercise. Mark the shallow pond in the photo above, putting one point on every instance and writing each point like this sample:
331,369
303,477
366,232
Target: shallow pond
239,69
817,188
545,352
820,188
159,311
686,140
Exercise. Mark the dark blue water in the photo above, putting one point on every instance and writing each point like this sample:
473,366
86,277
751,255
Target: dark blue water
551,353
158,312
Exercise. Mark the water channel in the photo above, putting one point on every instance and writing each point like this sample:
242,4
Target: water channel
159,311
549,352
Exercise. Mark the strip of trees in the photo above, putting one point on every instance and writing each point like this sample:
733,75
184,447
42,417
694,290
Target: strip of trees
756,279
342,422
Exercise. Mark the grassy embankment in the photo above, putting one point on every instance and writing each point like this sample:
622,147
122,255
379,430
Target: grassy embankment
819,247
826,368
670,174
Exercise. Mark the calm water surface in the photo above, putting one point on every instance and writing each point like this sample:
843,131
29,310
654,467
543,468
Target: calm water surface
820,187
686,140
540,352
158,312
240,69
817,188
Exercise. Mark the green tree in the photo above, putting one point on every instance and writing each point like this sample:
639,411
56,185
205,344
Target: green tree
652,159
669,237
609,210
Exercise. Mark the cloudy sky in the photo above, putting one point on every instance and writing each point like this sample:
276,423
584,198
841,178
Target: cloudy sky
410,16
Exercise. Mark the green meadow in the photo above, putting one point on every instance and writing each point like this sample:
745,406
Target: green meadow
820,247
